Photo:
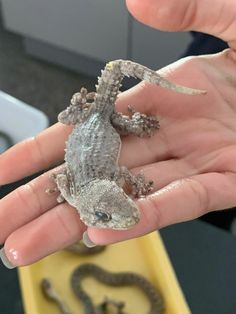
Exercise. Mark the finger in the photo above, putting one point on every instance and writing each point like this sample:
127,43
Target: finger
23,237
151,150
53,231
179,201
164,172
29,201
34,154
199,15
26,203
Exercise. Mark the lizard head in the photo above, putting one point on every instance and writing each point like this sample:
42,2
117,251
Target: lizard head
103,204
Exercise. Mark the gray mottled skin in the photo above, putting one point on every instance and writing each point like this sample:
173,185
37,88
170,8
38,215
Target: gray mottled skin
91,180
113,279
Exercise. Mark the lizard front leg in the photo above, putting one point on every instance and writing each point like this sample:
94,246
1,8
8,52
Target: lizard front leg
79,109
139,124
138,185
63,184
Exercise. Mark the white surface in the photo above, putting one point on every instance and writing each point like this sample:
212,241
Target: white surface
19,120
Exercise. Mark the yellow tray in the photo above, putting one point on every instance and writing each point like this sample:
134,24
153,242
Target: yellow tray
145,255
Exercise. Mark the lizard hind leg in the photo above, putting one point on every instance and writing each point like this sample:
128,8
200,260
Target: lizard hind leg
137,183
79,108
139,124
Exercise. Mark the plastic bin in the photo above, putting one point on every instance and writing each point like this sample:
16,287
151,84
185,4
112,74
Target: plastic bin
145,255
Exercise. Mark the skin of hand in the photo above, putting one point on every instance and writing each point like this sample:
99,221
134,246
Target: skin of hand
192,158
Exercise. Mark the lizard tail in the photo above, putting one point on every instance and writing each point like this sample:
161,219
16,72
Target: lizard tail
114,72
129,68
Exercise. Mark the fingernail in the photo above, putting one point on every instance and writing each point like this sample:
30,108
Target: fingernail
5,260
87,241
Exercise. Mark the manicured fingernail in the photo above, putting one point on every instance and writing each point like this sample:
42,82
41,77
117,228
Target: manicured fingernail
5,260
87,241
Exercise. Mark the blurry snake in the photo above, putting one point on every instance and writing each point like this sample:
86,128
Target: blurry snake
106,277
113,279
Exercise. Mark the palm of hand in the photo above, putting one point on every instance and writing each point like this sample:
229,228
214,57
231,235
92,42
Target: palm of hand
198,134
191,160
192,157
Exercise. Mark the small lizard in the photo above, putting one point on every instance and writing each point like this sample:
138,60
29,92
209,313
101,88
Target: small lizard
91,180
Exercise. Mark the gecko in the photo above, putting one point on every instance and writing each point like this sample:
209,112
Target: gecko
91,179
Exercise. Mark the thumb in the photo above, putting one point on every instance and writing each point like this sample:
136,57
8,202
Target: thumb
217,17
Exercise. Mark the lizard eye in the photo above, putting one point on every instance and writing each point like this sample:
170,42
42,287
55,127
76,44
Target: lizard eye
102,216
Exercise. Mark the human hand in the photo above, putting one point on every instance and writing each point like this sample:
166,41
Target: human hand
191,158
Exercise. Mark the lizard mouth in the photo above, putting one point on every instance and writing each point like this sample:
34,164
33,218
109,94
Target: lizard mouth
116,223
127,223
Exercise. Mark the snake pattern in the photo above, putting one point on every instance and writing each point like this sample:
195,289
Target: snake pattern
113,279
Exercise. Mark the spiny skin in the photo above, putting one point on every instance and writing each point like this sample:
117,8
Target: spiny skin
113,279
92,180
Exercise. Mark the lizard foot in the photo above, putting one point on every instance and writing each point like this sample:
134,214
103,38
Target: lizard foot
146,124
139,124
54,190
54,177
82,97
138,185
79,109
140,188
63,186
